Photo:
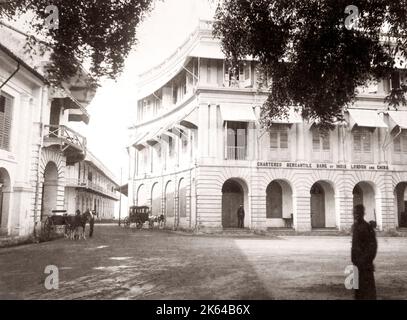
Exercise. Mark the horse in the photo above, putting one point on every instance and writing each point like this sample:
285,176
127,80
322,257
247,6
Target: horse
159,219
74,223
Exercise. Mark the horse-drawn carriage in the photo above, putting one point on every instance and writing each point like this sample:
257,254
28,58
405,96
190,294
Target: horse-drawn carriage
68,224
140,215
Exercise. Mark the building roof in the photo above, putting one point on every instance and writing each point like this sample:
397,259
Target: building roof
90,157
200,43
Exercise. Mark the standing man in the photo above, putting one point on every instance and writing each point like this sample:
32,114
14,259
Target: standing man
240,217
364,249
92,223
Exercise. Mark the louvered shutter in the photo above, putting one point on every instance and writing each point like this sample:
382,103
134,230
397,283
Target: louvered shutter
2,116
397,144
315,140
404,142
326,145
5,122
283,138
357,141
367,143
273,138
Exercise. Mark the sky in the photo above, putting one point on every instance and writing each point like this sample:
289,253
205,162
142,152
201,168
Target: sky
113,109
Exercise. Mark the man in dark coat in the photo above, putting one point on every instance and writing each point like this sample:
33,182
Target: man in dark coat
240,217
364,249
92,223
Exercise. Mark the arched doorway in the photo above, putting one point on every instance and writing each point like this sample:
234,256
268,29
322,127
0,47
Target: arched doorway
322,205
4,200
141,196
169,203
401,199
279,204
364,193
49,190
155,200
234,193
182,199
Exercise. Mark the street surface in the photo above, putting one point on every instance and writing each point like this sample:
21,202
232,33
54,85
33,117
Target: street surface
120,263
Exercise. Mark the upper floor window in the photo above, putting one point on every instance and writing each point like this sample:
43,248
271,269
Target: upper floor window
321,145
279,142
170,146
238,76
236,140
6,103
400,147
362,145
90,176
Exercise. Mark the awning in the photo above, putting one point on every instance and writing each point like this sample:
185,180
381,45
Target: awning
237,112
293,117
78,115
366,118
64,99
398,118
124,189
190,120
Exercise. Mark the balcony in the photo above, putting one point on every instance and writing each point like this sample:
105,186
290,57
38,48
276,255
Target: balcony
91,187
71,143
236,153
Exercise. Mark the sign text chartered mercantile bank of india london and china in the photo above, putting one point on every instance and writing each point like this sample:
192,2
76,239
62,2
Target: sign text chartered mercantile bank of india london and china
289,165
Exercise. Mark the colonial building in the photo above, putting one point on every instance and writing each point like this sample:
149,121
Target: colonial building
36,142
197,150
90,185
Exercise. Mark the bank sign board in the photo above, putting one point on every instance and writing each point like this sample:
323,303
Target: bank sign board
304,165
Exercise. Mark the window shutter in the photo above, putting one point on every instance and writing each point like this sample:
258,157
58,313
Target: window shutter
357,141
404,143
326,145
315,140
5,122
283,138
2,116
273,138
366,138
241,137
231,137
397,144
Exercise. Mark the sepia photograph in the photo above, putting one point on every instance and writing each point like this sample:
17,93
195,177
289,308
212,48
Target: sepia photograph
202,155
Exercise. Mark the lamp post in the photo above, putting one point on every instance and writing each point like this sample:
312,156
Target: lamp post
120,201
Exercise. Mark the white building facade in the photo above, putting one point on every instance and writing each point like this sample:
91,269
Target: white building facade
37,143
90,185
198,151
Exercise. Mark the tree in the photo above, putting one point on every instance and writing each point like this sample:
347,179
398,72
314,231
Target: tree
97,33
316,53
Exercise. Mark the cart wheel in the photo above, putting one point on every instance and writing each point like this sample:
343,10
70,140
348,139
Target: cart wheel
139,225
47,228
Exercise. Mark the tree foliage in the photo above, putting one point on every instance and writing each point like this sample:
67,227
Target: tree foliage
97,33
314,61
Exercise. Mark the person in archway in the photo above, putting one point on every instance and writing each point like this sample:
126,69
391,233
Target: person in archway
364,250
240,217
92,223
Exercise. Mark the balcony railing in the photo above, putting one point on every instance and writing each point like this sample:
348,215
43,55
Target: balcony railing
322,156
236,153
90,185
72,144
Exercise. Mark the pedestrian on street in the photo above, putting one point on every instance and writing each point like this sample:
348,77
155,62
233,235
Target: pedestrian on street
92,223
240,217
364,249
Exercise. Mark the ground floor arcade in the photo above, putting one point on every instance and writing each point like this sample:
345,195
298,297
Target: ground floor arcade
303,199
